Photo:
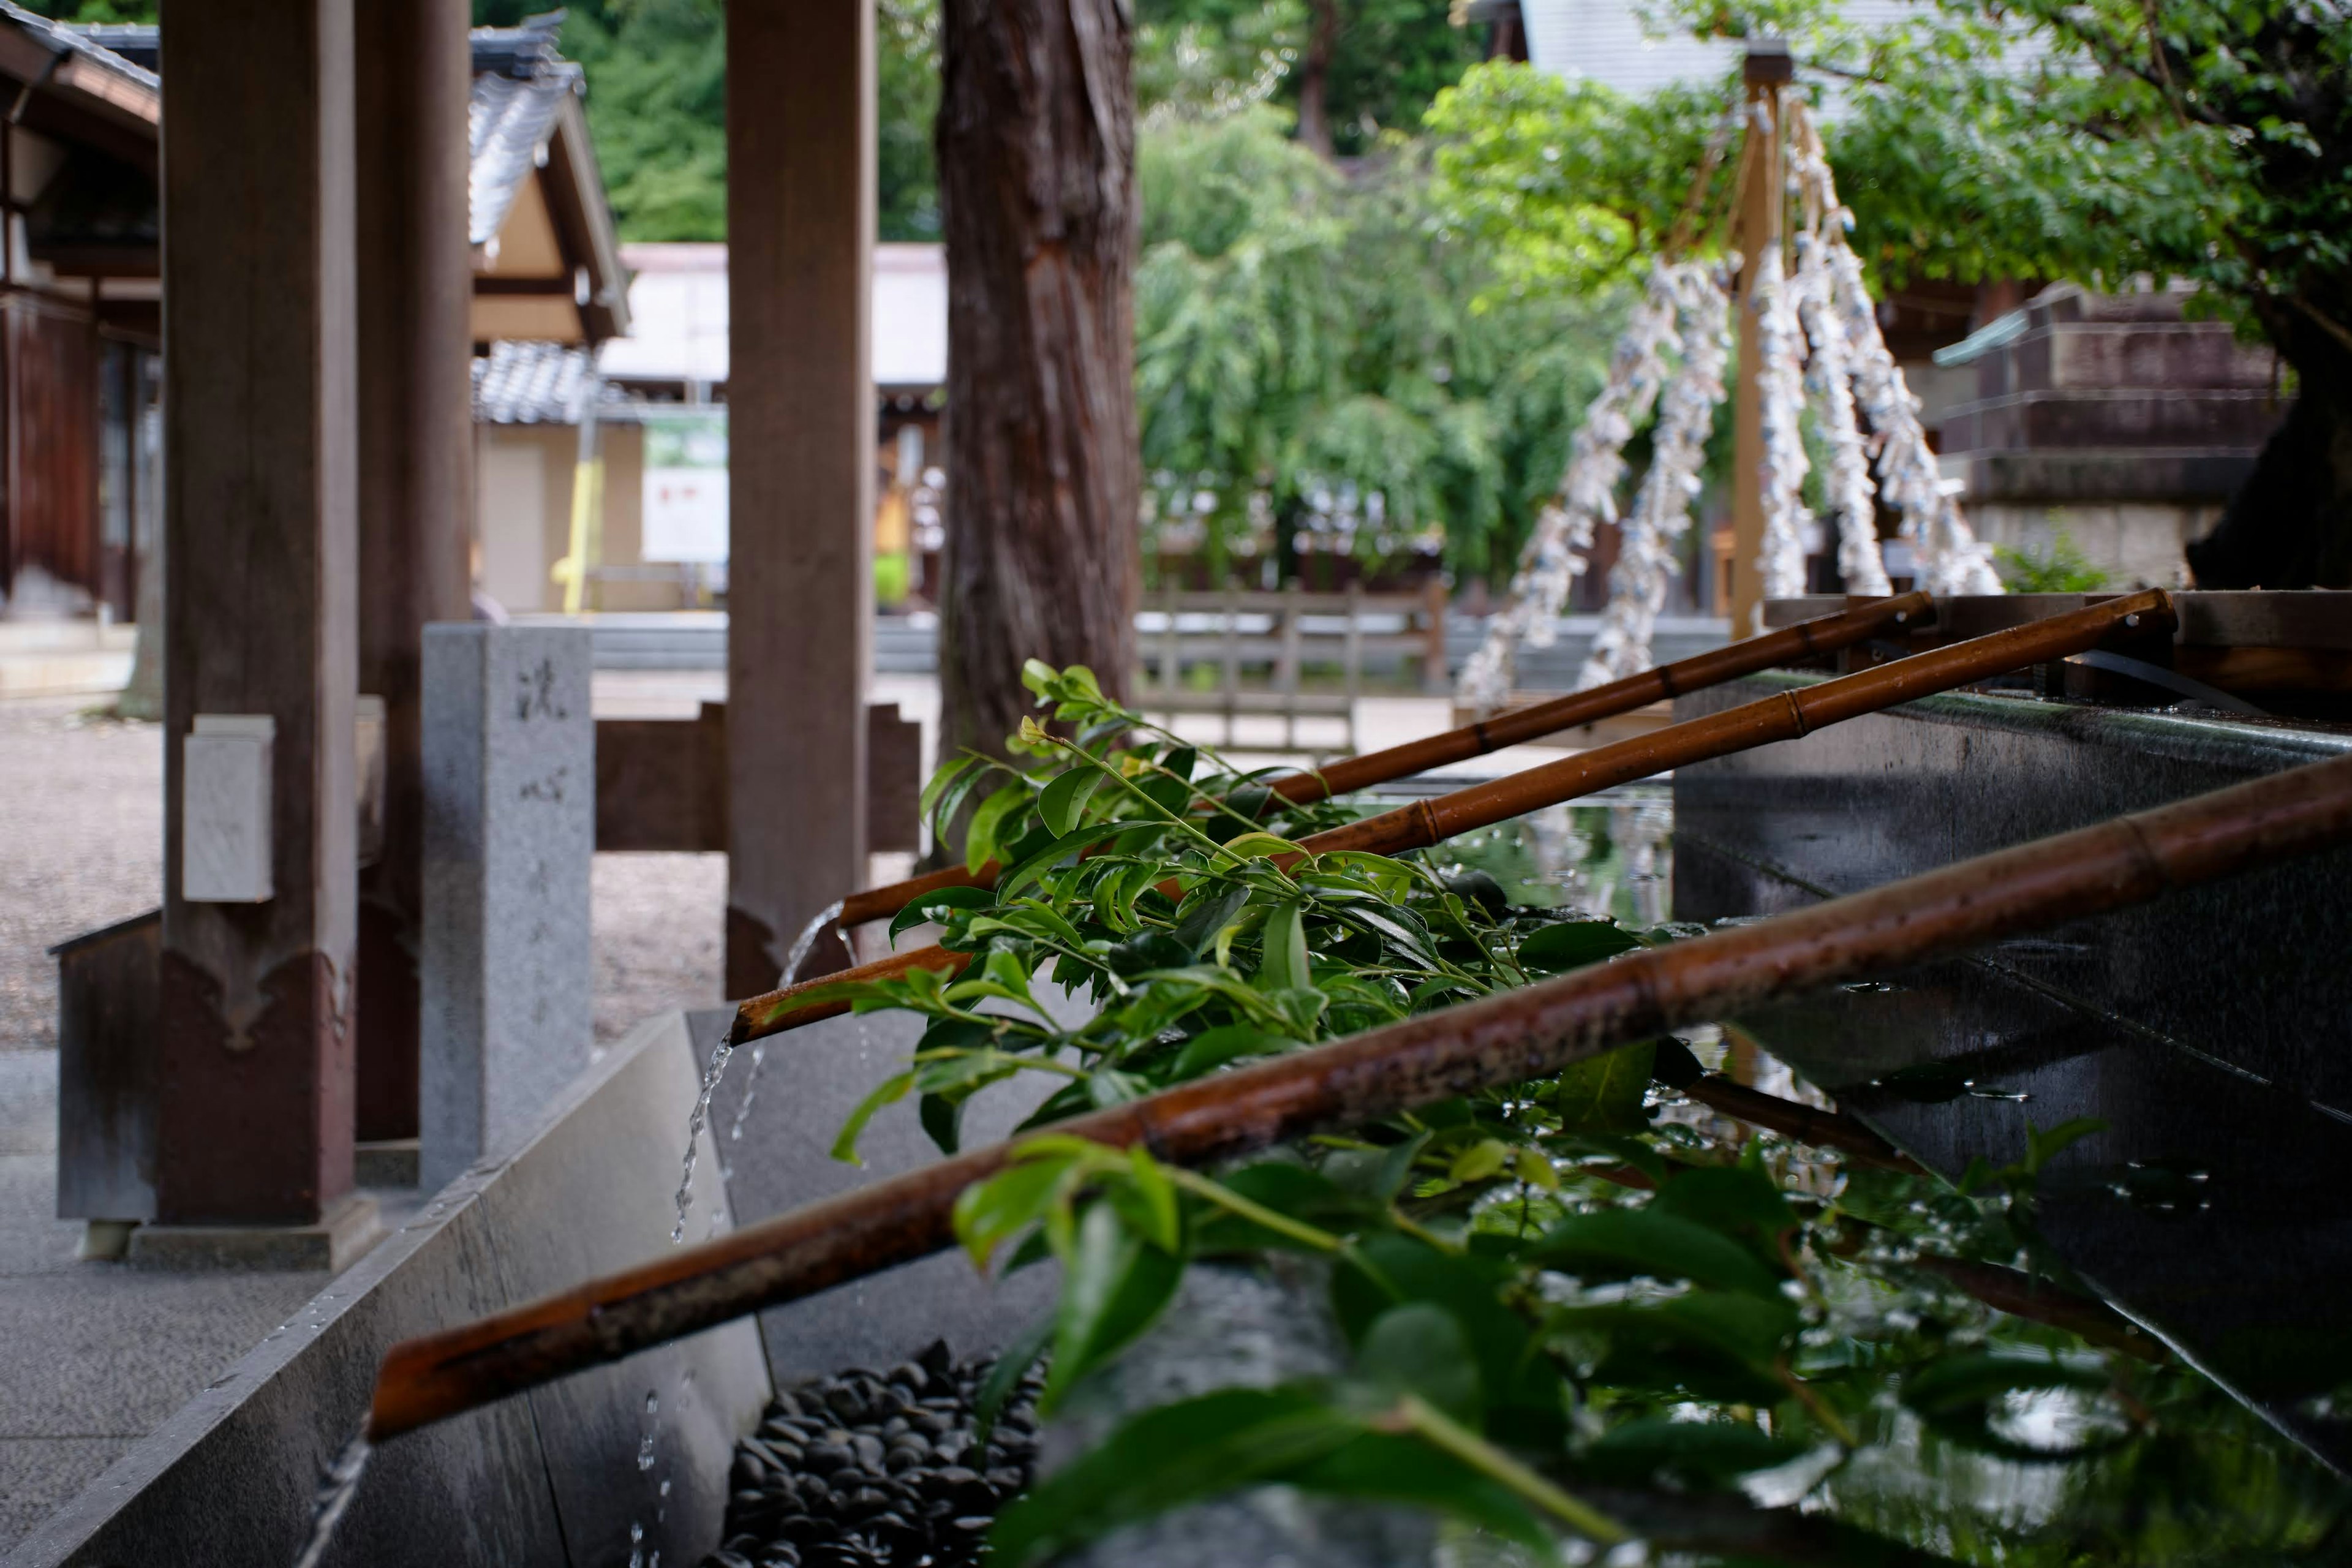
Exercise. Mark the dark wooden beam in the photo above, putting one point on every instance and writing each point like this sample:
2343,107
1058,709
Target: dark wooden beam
255,1120
800,231
416,477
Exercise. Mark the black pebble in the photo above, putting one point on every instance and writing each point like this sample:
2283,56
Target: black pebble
877,1470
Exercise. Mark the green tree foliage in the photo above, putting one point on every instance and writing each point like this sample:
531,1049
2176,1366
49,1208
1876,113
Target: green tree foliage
657,109
1389,59
2106,141
1307,341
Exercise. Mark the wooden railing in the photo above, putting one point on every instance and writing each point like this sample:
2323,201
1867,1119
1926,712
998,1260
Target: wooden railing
1259,644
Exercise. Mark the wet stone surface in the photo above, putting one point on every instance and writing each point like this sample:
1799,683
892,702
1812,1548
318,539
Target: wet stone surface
876,1468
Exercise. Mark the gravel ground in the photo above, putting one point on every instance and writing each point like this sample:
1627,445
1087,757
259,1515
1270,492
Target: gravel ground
81,846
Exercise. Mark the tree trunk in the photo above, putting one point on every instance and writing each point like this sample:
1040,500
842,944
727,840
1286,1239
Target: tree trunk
1036,158
2290,523
1314,78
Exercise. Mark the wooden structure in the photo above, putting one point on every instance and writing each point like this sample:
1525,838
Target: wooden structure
79,328
81,439
801,488
1762,194
1282,634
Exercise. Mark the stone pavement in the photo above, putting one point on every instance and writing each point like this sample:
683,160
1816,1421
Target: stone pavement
92,1355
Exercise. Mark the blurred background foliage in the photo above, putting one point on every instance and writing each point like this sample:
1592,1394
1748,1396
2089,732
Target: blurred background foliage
1389,346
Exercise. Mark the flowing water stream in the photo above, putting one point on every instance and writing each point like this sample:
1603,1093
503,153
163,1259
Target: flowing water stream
723,1050
336,1490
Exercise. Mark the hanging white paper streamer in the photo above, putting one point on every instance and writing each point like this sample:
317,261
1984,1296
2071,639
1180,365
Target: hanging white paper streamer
1950,558
1780,347
1829,376
1556,552
1653,529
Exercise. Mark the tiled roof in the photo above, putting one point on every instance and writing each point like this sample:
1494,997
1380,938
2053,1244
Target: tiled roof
529,384
519,85
94,44
508,121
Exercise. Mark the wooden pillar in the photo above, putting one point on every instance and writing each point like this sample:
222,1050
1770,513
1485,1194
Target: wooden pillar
255,1120
800,393
1762,194
413,73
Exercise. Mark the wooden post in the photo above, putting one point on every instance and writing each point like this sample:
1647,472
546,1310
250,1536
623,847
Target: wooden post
800,229
255,1120
416,465
1761,177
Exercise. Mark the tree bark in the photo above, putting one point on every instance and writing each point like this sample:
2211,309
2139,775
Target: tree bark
2290,523
1315,79
1036,158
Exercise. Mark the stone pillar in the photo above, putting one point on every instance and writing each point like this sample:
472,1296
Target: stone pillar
799,232
414,72
1762,193
255,1118
509,835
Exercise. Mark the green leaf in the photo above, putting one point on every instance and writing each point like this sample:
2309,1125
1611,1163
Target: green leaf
942,1119
1260,846
1619,1243
1481,1160
1038,676
945,775
1292,1191
988,1212
1114,1284
1163,1225
1213,1048
921,909
1005,1375
952,799
1572,944
1713,1344
1740,1201
1606,1093
1389,1469
1383,1270
1165,1458
889,1091
1418,1348
1065,799
1655,1449
1044,859
1283,963
979,839
1208,910
1407,938
1376,1174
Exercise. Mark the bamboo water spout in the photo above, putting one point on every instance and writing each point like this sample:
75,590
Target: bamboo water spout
1786,717
1498,1040
1806,639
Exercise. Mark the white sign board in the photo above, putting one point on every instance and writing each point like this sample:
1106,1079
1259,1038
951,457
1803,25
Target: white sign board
685,497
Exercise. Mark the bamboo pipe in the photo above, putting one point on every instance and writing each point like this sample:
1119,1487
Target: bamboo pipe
1786,717
1806,639
1503,1040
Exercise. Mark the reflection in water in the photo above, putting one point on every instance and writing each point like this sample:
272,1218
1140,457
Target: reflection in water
1610,855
